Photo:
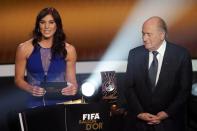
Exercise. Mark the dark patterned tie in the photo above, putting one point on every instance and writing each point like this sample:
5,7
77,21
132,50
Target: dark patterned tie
153,70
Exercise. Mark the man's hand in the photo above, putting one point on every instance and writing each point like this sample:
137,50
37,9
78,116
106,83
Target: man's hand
149,118
153,119
162,115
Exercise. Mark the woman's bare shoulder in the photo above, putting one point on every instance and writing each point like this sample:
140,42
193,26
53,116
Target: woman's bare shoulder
25,47
71,52
69,47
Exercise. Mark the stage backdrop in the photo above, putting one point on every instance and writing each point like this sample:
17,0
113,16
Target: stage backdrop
90,25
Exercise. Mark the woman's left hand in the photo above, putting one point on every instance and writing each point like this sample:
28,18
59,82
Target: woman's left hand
69,90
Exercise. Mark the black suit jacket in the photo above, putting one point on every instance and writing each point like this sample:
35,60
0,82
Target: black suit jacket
171,93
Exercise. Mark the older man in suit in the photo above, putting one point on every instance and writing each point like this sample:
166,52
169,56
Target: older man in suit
158,81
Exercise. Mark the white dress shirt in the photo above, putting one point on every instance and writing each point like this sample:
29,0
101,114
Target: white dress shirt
160,56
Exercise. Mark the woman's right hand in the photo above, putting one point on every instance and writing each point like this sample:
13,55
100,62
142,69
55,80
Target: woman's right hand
37,91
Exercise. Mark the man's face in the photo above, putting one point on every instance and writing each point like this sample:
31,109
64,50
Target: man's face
152,35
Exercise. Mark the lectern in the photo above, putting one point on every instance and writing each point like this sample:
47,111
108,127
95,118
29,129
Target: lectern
73,117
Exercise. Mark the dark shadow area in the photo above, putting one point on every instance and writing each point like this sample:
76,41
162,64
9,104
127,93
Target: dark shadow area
12,100
192,109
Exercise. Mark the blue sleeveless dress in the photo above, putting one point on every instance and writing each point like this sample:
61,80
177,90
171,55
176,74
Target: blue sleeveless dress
42,67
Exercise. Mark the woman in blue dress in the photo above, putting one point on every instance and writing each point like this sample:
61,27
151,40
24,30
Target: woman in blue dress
47,57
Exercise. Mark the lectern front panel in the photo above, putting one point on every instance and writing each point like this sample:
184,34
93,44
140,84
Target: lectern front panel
74,117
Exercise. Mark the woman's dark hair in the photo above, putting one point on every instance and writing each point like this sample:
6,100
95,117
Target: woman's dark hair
58,46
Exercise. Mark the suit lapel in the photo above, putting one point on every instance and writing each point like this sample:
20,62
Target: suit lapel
163,76
145,62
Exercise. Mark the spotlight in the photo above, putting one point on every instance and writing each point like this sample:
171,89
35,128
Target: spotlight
88,89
